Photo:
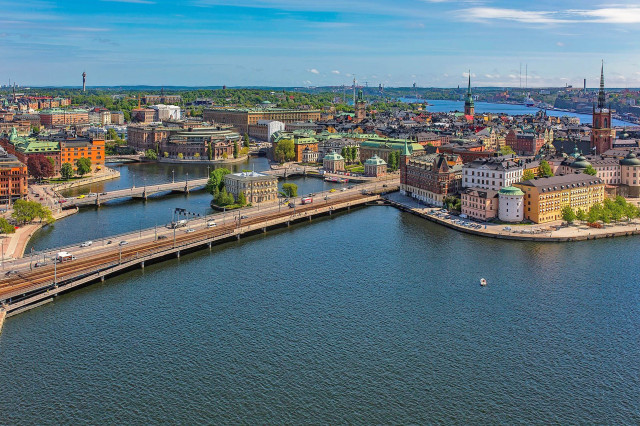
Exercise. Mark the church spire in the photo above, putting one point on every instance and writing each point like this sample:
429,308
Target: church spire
469,88
601,96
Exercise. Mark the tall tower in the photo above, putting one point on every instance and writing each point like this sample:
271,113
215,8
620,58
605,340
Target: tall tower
469,107
601,124
84,81
405,155
360,107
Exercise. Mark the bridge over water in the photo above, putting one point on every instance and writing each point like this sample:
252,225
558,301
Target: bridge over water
143,192
28,287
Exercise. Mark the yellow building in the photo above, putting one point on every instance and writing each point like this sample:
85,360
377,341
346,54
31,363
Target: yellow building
544,198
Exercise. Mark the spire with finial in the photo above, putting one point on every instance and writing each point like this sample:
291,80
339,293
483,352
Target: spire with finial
469,87
601,96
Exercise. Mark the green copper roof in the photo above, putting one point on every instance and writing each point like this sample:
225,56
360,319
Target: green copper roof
511,190
405,149
375,161
630,160
580,163
333,156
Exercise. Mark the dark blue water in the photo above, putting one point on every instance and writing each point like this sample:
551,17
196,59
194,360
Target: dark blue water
510,109
370,317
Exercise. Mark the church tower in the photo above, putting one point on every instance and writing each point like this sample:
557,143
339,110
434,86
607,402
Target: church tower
601,125
469,107
360,107
405,155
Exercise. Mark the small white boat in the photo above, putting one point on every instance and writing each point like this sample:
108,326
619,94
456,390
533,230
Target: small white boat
483,282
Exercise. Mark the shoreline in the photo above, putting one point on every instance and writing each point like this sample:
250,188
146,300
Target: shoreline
593,233
178,161
112,174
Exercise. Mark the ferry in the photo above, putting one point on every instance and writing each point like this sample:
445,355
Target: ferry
336,179
528,102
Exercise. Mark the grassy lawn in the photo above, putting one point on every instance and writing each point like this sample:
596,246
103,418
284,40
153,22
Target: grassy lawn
62,180
355,168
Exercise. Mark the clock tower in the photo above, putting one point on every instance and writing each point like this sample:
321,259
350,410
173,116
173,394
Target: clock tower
601,133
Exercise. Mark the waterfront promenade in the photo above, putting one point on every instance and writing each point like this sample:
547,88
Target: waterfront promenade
28,285
549,232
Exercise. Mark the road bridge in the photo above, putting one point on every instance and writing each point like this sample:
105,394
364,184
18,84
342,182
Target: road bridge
143,192
27,287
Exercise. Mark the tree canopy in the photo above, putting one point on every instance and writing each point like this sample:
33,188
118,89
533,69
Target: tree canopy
39,166
290,190
66,170
284,151
216,180
26,211
83,166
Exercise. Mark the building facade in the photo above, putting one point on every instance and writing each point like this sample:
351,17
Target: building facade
511,204
491,173
241,119
333,162
257,187
375,167
62,117
429,179
544,198
601,132
13,178
481,204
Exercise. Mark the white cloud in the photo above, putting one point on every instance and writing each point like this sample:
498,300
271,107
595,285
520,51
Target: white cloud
314,71
335,72
609,15
560,44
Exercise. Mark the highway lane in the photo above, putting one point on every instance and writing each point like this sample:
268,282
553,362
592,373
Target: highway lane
87,258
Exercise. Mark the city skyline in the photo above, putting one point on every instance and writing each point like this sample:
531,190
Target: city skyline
287,43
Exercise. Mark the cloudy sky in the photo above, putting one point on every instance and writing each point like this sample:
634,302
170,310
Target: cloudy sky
319,42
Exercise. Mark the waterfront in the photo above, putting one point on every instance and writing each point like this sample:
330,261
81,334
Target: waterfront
511,109
116,217
336,338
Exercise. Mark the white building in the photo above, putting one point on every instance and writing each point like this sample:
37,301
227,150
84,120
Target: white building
491,173
264,129
511,204
166,112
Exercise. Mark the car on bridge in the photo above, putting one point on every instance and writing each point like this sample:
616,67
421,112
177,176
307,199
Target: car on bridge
81,196
211,224
190,230
124,243
86,244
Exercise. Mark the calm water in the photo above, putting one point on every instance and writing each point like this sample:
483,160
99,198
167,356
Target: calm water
120,216
370,317
493,108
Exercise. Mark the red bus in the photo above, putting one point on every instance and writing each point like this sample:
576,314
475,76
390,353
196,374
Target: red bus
307,200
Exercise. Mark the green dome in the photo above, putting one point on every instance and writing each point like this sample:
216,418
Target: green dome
630,160
375,161
511,190
333,156
580,163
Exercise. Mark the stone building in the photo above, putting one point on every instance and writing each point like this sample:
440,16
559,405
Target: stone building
481,204
375,167
257,187
511,204
333,162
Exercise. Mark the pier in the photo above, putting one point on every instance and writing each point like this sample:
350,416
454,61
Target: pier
28,287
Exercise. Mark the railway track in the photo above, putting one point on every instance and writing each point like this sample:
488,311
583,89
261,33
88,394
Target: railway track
40,278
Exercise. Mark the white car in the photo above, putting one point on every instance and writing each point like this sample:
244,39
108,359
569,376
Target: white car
190,230
211,224
86,244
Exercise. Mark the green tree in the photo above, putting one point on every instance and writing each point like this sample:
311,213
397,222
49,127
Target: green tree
246,140
568,215
290,189
6,227
66,170
595,213
345,154
83,166
242,199
506,150
216,180
581,215
235,149
631,212
354,153
392,163
165,154
111,134
210,151
590,170
284,151
151,154
528,175
545,169
26,211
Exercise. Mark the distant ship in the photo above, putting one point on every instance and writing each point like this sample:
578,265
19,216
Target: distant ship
528,102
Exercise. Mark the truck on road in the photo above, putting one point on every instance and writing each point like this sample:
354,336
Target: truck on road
306,200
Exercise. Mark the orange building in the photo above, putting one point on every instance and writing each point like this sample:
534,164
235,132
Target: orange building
13,177
73,149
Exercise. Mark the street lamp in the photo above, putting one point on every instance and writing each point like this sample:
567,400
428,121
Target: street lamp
173,176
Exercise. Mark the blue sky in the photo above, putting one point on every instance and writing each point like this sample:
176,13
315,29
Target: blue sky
323,42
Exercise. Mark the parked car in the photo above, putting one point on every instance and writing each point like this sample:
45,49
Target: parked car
86,244
343,189
244,217
9,273
40,264
162,237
